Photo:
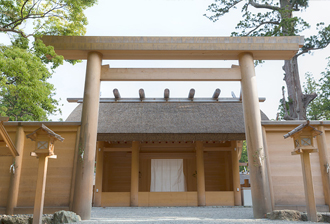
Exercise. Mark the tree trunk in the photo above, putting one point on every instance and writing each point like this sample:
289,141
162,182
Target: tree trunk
298,101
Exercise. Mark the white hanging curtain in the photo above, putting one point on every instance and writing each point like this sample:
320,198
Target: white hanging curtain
167,175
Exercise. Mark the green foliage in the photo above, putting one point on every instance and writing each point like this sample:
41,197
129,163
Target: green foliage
25,94
27,64
244,156
273,18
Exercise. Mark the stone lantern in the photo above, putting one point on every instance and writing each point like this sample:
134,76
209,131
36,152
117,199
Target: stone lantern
44,149
303,136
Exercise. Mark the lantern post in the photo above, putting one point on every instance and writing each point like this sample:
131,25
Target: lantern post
304,145
44,149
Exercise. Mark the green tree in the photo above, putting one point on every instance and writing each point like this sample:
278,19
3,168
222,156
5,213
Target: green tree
275,18
244,156
27,64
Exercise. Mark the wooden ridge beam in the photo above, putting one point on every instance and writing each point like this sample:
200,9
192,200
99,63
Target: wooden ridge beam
170,74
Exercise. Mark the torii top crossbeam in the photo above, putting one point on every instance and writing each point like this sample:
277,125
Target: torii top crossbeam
175,48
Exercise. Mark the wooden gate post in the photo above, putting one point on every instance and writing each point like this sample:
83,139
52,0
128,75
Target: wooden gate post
83,191
200,174
253,133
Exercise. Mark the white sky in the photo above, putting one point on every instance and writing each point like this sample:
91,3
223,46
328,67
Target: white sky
179,18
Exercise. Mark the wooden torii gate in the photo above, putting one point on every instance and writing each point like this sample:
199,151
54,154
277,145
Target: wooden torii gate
243,49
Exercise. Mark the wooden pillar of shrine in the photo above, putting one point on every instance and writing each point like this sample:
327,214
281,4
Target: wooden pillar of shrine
16,175
253,133
236,177
200,174
82,199
135,174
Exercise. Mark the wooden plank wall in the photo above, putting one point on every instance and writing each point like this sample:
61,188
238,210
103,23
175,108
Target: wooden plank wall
59,175
117,172
218,171
286,171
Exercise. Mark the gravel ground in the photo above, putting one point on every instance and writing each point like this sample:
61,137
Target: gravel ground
177,215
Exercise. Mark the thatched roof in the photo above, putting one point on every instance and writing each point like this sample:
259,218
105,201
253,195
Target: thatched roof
50,132
168,121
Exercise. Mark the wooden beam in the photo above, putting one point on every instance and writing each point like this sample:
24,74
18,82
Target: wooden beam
191,94
167,155
141,94
216,94
116,94
170,74
217,149
175,48
117,149
8,140
166,93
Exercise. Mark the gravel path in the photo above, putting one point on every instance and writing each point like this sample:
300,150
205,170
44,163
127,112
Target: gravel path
177,215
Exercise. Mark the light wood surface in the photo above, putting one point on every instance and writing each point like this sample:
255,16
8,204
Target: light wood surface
269,184
236,177
74,169
82,198
16,174
200,173
170,74
223,198
253,133
99,174
40,189
135,174
308,187
175,48
324,163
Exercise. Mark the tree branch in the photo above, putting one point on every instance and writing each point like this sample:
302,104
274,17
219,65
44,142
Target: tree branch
263,6
261,24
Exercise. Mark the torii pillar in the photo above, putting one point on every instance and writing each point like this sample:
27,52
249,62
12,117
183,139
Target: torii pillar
253,131
83,192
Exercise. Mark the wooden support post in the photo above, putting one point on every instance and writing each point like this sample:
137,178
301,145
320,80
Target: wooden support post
135,174
324,164
82,199
40,190
308,186
253,133
99,175
16,176
236,178
269,177
200,173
